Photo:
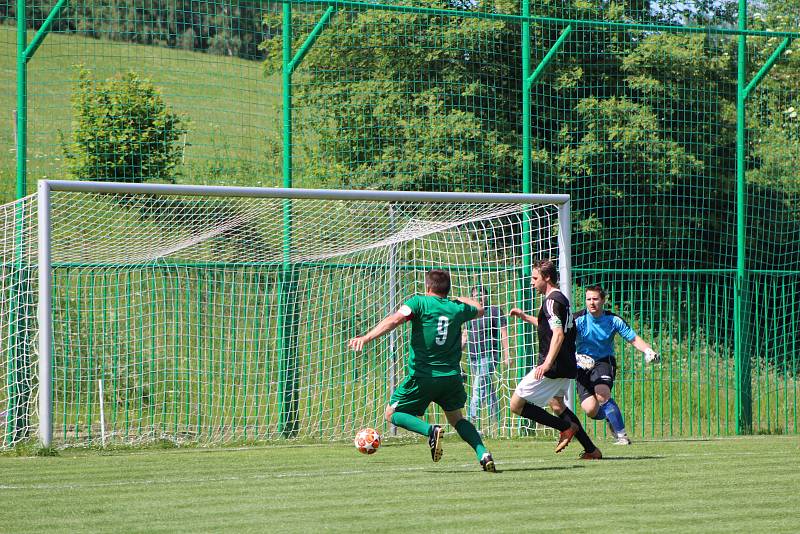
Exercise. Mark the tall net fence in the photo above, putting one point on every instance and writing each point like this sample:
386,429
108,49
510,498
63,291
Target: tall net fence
630,108
201,58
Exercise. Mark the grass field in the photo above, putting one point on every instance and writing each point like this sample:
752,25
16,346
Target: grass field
728,485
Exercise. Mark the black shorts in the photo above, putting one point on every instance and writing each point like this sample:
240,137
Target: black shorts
603,372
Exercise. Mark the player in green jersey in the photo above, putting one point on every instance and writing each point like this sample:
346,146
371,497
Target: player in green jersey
433,370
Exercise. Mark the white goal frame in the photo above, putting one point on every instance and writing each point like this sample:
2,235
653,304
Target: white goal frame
45,187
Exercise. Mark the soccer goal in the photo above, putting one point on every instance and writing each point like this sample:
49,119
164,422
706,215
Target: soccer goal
222,314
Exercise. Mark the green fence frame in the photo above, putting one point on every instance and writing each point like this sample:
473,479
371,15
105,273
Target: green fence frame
531,74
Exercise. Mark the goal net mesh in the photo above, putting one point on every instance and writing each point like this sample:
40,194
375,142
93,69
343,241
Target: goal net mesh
223,320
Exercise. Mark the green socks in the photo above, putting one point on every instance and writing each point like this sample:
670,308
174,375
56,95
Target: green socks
409,422
465,429
469,433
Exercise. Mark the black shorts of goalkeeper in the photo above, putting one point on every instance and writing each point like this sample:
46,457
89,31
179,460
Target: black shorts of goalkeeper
604,372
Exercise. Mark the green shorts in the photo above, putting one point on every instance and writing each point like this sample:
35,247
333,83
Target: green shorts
415,393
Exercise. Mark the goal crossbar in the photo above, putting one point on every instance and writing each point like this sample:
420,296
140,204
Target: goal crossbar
296,193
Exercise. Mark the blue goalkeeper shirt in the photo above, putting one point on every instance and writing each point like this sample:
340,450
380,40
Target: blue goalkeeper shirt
595,335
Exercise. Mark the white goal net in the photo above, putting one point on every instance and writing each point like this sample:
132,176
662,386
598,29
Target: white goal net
220,315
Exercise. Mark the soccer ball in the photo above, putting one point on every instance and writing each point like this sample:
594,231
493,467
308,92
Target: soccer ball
367,441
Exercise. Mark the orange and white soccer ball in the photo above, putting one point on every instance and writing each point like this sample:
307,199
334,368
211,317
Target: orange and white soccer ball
367,441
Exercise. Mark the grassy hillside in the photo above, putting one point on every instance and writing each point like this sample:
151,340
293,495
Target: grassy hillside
232,109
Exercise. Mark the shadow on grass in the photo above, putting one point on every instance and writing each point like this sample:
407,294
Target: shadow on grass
623,458
658,441
553,468
507,469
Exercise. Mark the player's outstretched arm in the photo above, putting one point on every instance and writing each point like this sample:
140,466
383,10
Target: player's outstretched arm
389,323
474,303
519,314
650,356
504,345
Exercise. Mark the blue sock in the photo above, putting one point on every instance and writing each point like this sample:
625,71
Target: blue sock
614,416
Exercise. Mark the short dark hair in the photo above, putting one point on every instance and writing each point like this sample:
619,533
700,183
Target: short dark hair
548,270
438,281
597,289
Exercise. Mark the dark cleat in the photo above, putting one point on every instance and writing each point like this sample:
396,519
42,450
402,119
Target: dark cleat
594,455
566,436
435,442
487,463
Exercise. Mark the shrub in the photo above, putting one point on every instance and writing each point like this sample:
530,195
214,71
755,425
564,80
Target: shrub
123,131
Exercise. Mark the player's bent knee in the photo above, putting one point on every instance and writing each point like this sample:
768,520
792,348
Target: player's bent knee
517,404
557,404
590,407
603,393
603,398
454,417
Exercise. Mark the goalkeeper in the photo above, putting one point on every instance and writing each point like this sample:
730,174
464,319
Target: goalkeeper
434,364
597,365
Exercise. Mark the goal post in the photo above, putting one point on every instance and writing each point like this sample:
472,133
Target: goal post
45,315
200,322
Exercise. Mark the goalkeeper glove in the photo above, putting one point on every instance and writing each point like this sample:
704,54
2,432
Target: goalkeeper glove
651,356
584,361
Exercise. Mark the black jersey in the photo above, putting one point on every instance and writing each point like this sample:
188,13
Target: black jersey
555,312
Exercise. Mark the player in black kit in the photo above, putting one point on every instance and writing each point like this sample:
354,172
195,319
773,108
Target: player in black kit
549,380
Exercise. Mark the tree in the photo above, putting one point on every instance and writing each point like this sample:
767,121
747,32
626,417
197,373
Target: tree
652,159
433,116
639,126
123,131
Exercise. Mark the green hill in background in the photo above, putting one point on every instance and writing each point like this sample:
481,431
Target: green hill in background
231,107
